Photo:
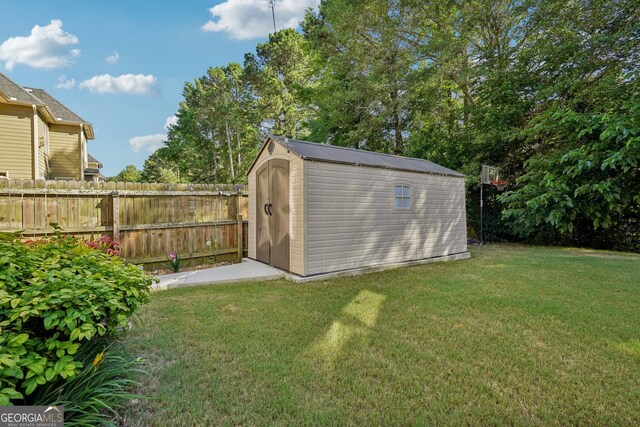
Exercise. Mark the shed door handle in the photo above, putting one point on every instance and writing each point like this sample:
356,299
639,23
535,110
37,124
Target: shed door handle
269,209
266,205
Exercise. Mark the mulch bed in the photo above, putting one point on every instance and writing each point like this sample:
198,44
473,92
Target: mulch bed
192,268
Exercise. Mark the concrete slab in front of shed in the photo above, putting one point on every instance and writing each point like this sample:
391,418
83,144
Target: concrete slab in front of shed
246,271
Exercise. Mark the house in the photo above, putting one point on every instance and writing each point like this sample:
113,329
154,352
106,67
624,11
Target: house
317,208
40,138
92,171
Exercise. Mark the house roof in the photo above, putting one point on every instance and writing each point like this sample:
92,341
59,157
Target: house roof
351,156
15,92
92,159
51,107
59,110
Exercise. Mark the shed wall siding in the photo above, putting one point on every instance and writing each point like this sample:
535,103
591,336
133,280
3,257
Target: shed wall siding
64,151
296,205
352,221
16,140
296,214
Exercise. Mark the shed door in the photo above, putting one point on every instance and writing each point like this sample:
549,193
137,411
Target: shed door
272,213
262,216
279,212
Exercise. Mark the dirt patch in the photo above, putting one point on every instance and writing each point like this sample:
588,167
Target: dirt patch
604,255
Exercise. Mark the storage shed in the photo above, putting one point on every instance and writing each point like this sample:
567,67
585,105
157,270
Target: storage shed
317,208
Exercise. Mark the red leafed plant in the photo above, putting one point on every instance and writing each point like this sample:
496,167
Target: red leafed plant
105,244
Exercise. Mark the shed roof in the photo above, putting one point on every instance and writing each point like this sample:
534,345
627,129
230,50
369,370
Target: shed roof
351,156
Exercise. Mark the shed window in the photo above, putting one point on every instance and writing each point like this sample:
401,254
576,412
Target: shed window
402,196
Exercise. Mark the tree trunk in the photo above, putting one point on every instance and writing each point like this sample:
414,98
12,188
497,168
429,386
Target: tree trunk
397,125
214,157
228,132
239,145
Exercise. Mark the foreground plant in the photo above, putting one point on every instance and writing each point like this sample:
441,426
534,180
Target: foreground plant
93,394
56,295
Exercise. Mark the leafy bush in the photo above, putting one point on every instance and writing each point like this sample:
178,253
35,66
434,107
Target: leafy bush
55,295
588,188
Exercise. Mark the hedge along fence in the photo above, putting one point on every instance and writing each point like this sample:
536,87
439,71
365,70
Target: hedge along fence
200,222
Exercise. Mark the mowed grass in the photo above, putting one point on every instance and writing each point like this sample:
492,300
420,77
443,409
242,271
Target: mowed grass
515,335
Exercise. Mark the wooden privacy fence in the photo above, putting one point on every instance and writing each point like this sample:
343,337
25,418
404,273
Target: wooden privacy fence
197,221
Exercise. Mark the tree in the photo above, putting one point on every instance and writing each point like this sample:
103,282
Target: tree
280,75
129,174
364,68
226,113
216,135
156,169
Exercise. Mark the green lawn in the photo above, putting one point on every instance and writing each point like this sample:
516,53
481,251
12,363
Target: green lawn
514,335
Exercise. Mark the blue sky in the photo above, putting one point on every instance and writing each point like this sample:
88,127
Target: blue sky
121,65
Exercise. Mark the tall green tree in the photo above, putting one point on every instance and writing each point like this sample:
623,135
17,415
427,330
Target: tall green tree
280,75
363,91
216,135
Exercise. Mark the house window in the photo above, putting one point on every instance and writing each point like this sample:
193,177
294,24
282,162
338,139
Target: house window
402,196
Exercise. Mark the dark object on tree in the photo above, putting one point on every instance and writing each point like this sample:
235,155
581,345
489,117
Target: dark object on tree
490,175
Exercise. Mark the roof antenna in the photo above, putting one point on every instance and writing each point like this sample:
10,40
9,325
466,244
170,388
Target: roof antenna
272,5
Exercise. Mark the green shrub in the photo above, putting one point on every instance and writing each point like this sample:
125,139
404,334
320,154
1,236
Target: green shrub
55,295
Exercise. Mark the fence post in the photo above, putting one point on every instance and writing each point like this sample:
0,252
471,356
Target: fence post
239,237
239,227
115,215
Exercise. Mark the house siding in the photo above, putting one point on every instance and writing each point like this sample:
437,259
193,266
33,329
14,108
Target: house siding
43,137
83,154
352,222
64,151
16,140
296,204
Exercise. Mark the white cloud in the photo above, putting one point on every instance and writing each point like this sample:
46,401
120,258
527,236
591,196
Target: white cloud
63,83
250,19
45,47
112,59
149,143
134,84
170,121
